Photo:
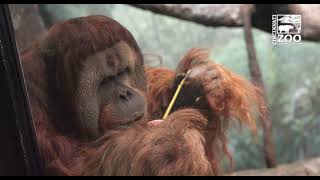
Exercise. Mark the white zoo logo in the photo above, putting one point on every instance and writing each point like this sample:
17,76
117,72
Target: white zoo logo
286,28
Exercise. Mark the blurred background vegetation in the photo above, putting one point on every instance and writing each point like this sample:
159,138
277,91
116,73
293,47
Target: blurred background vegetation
290,73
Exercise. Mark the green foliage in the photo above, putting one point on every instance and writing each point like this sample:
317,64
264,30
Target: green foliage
290,73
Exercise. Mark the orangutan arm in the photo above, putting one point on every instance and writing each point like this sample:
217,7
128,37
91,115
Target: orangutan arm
175,147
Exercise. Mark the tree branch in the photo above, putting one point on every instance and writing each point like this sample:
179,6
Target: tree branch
256,76
303,168
205,14
216,15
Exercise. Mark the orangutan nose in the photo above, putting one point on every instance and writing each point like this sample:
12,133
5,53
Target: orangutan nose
125,95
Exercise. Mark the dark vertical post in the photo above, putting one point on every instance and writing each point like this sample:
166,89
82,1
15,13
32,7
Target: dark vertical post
19,153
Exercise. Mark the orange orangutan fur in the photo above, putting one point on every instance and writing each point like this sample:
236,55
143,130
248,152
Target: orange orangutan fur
230,97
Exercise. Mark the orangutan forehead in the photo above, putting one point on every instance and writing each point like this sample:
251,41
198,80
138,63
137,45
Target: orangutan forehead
123,52
117,56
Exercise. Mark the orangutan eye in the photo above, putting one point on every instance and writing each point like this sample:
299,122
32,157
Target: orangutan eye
107,80
124,72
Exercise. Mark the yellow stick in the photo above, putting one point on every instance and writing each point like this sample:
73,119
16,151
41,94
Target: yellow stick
166,114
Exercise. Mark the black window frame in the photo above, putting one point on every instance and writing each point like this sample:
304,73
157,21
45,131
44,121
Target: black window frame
19,152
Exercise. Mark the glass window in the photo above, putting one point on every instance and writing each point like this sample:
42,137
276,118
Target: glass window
71,90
